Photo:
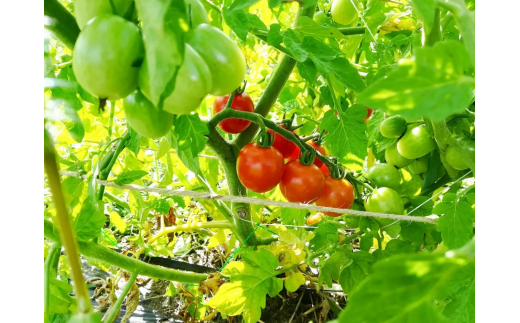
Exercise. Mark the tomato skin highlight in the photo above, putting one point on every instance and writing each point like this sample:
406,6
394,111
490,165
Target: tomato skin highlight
222,55
384,175
191,86
415,143
103,56
144,118
284,146
384,200
259,169
300,183
393,157
241,102
337,193
296,153
314,219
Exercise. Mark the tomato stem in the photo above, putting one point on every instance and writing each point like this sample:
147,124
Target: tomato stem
113,311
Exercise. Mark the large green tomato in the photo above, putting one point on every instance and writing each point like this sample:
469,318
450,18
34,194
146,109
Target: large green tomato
198,15
393,157
455,160
420,165
384,175
191,86
416,143
384,200
104,54
85,10
343,11
393,127
144,118
224,58
321,18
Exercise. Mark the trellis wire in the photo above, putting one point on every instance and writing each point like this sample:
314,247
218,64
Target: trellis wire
212,196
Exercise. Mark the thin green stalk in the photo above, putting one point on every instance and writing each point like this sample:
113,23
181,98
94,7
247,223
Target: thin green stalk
103,175
430,37
50,272
97,252
352,30
63,24
65,224
117,200
111,119
114,310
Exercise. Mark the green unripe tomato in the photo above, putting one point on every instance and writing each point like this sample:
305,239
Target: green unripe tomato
104,54
199,15
393,157
343,11
144,118
393,127
455,159
191,86
224,58
321,18
420,165
384,200
416,143
384,175
84,10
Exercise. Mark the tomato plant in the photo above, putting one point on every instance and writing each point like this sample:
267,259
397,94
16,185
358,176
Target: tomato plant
259,169
140,162
241,102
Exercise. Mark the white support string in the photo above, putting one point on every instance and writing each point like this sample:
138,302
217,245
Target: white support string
229,198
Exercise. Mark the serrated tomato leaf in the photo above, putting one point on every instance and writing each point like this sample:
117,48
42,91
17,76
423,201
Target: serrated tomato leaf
88,221
456,220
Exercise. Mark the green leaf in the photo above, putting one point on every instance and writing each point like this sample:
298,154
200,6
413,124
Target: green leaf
293,282
274,37
164,148
250,281
255,22
293,216
308,27
241,4
164,24
134,142
308,71
330,270
456,222
403,287
74,124
189,140
465,20
88,222
352,275
425,10
431,85
325,235
293,44
347,136
459,292
373,126
129,176
237,21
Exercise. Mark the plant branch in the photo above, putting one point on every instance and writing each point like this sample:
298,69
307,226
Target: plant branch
338,244
63,24
64,222
50,272
103,175
114,310
97,252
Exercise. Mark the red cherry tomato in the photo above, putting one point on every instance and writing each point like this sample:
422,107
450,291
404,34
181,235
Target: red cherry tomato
320,149
336,193
301,183
314,219
325,170
283,145
259,169
241,102
369,114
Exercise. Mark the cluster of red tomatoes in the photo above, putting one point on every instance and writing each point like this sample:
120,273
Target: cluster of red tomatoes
261,166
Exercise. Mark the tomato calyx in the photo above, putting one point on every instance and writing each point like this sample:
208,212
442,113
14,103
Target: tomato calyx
265,139
289,123
318,141
307,156
337,171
